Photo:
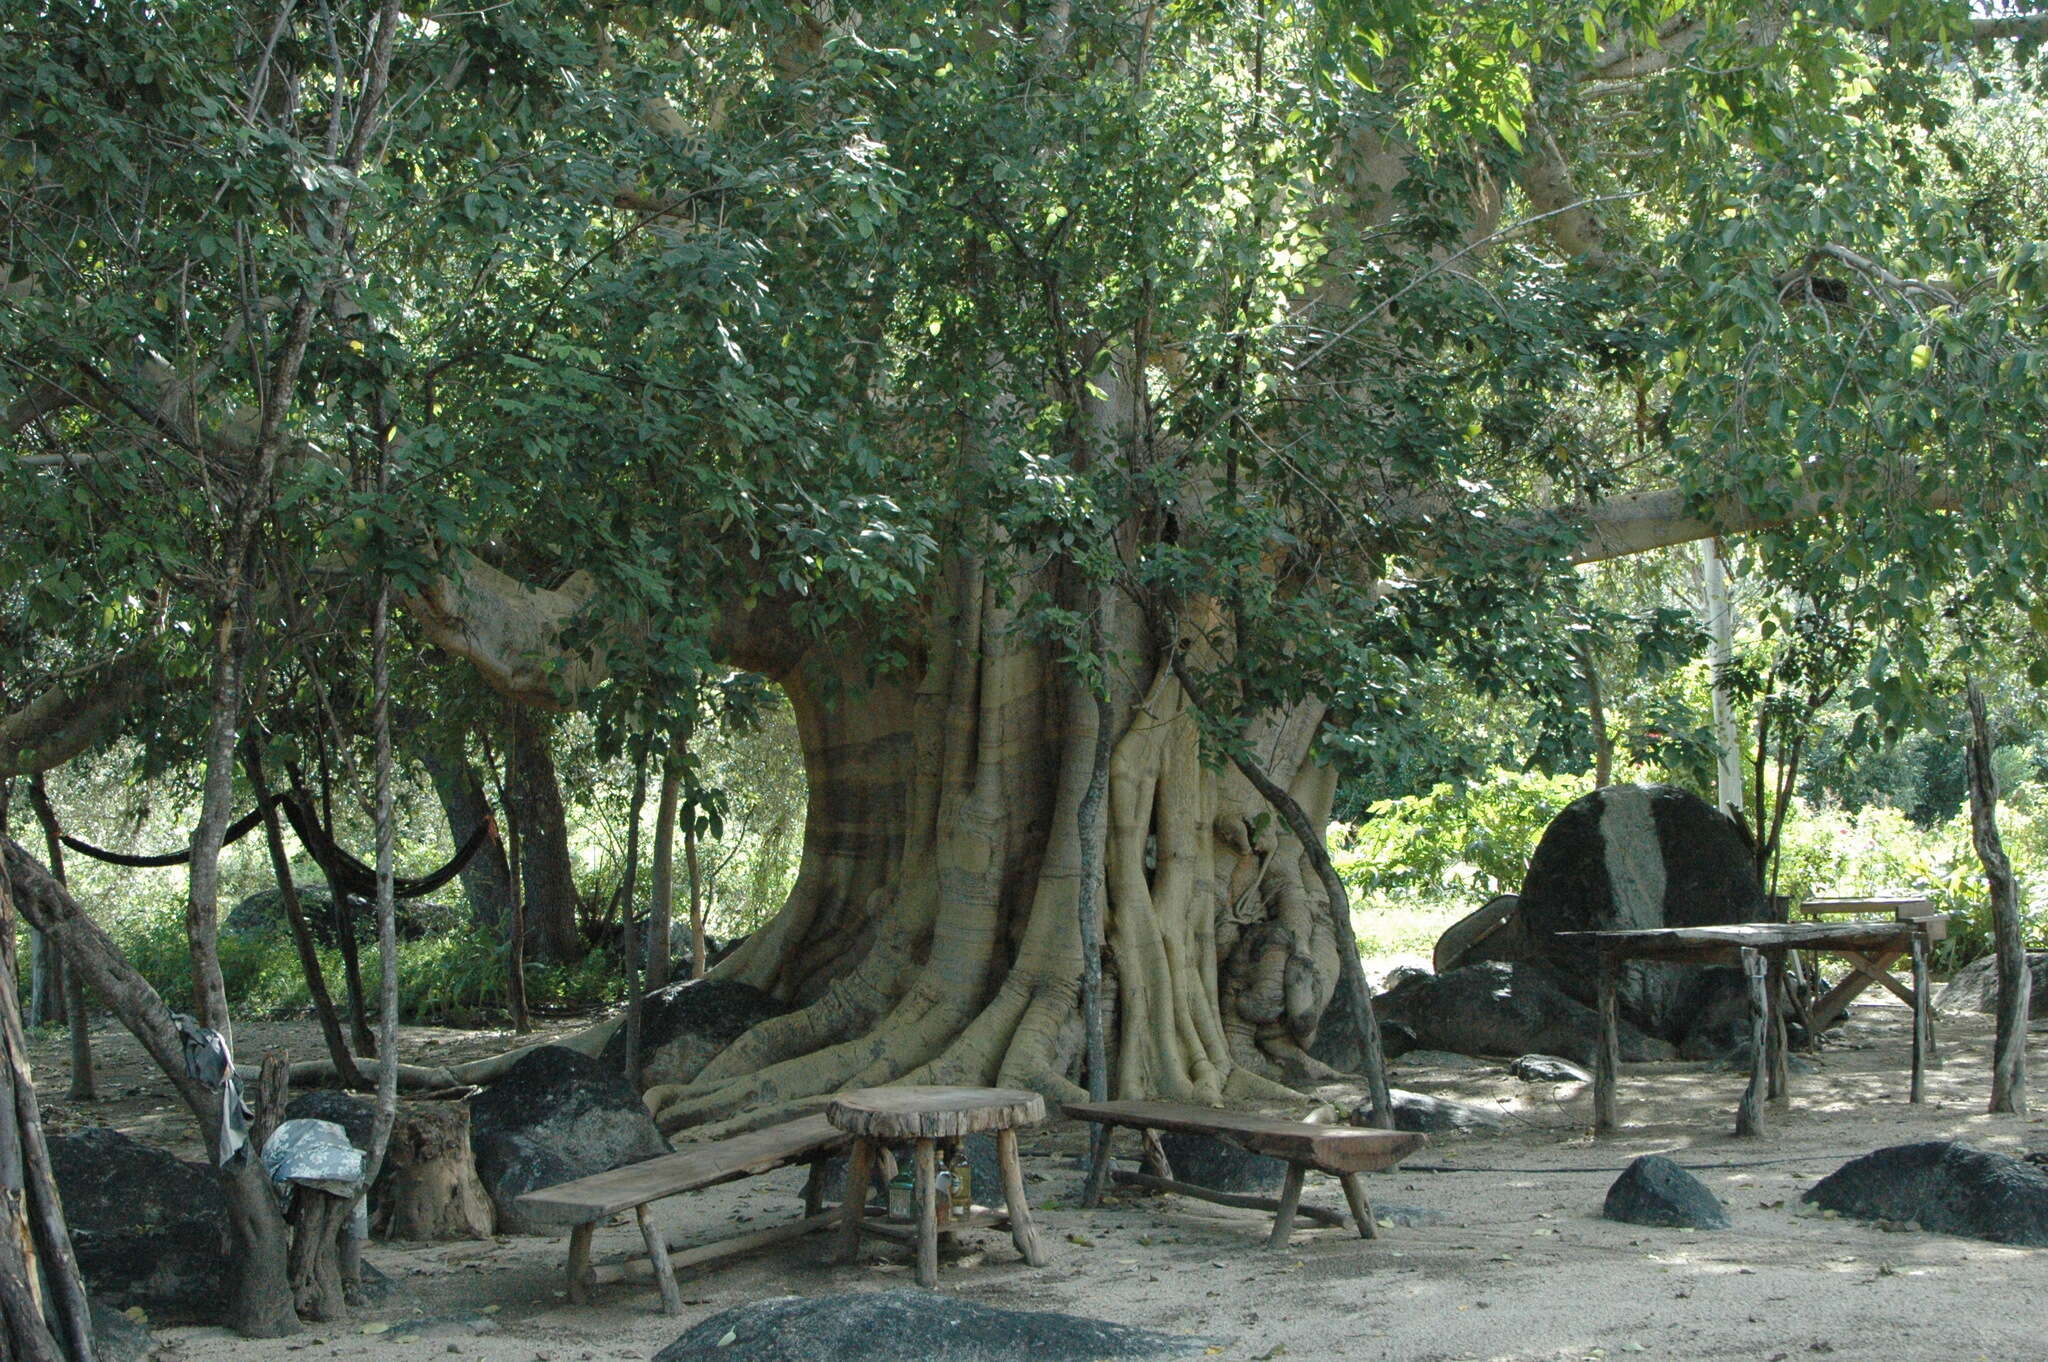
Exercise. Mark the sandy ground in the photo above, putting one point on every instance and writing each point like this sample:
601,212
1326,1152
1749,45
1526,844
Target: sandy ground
1511,1261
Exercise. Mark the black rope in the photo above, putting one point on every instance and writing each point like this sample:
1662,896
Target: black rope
351,876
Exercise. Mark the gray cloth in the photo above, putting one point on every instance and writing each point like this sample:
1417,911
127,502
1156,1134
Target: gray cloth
208,1059
317,1154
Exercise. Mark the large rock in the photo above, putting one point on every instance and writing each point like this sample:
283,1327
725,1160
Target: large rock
1975,987
1220,1165
1548,1069
1945,1187
1428,1115
117,1337
556,1115
685,1025
1655,1191
910,1326
150,1229
1633,856
1500,1008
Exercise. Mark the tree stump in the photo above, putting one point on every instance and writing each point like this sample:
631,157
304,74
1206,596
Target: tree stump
319,1222
430,1190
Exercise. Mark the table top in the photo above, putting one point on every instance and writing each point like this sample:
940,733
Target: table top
918,1112
1692,943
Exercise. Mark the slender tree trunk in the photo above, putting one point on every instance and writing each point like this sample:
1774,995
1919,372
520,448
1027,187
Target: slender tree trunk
295,916
515,936
627,935
1596,717
487,879
548,886
387,902
1720,613
700,946
76,1001
260,1303
661,908
343,914
2015,982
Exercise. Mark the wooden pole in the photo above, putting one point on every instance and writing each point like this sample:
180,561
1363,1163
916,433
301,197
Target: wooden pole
2015,981
1749,1116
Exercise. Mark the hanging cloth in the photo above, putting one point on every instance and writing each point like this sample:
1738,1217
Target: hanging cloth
209,1061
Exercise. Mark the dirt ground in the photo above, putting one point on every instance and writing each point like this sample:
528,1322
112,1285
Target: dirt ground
1510,1259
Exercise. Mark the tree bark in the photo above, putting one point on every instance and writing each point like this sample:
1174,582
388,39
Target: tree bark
261,1302
295,916
547,882
1596,717
662,904
76,1002
487,879
700,946
2015,982
627,911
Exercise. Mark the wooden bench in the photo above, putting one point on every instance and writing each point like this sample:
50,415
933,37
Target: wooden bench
1342,1151
588,1202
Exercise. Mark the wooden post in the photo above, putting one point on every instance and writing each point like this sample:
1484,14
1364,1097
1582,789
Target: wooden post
1774,1031
1361,1209
1290,1197
858,1163
1023,1230
657,1254
927,1214
1749,1116
1920,1008
2015,980
1607,1063
579,1263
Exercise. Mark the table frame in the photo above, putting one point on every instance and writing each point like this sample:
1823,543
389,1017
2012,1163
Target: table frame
1760,949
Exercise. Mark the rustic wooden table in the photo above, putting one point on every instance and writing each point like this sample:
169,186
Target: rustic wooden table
925,1117
1760,948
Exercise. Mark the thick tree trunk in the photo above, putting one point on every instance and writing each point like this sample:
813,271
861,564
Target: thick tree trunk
487,879
2015,982
261,1303
548,886
932,935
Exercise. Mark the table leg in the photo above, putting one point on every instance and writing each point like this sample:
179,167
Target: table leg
1098,1166
664,1270
1607,1063
1749,1116
1361,1209
1774,996
579,1263
1290,1197
927,1215
854,1208
1921,1037
1023,1231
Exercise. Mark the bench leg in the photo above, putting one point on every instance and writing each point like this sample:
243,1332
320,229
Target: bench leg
1361,1209
1098,1166
859,1161
927,1215
657,1253
579,1263
1290,1197
1023,1231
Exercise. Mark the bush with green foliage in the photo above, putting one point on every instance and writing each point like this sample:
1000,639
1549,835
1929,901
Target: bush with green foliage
1474,837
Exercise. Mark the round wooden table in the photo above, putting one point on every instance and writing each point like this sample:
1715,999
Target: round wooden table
922,1117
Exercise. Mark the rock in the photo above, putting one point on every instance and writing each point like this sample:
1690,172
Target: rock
1655,1191
1548,1069
1500,1008
555,1115
1432,1115
117,1337
685,1025
1493,931
1220,1165
1443,1059
1975,987
1632,856
149,1229
910,1326
1944,1187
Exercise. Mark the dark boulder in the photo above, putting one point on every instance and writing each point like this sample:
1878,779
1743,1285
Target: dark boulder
150,1229
1655,1191
685,1025
1944,1187
1220,1165
1632,856
117,1337
1975,987
910,1326
1432,1115
555,1115
1548,1069
1500,1008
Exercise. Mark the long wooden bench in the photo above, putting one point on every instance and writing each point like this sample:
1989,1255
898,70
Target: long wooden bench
1344,1152
587,1202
